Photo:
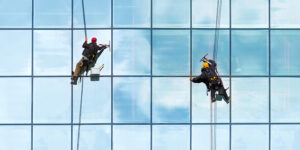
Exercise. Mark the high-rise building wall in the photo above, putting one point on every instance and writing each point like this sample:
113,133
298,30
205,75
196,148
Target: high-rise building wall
144,99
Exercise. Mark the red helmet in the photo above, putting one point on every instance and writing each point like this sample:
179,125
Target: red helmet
94,40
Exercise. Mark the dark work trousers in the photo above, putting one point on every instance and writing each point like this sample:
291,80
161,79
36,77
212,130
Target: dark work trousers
221,90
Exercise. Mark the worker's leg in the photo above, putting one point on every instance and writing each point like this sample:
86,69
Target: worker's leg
77,72
213,94
223,93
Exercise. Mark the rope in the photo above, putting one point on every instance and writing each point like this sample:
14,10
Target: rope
81,96
80,112
213,145
84,22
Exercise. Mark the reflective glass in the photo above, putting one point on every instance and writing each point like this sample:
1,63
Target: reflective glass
133,137
203,43
52,100
250,100
97,13
14,14
205,11
96,105
171,13
167,137
132,13
171,100
52,49
250,137
51,137
132,52
52,14
15,138
285,97
131,100
93,137
250,52
250,13
15,100
103,37
284,14
201,104
285,52
285,137
19,49
201,137
171,52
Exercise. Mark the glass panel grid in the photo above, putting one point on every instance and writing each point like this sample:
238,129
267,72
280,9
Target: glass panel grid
70,123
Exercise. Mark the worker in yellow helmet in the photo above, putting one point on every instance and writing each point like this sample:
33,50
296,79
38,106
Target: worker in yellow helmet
211,79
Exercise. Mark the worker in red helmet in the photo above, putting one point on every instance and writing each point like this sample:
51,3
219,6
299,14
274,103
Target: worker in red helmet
89,58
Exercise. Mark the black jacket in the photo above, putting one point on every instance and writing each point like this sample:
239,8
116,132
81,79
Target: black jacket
91,49
207,74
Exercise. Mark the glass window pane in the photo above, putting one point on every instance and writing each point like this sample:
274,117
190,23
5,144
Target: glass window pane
285,97
103,37
250,100
52,100
93,137
171,13
171,100
201,104
285,137
284,14
132,52
132,100
97,13
205,11
285,52
13,15
171,137
52,14
15,137
15,108
250,52
201,137
250,13
51,137
96,102
52,52
250,137
203,43
15,44
171,52
134,137
132,13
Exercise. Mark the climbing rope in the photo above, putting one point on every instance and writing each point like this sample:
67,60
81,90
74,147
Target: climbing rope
213,145
81,95
80,112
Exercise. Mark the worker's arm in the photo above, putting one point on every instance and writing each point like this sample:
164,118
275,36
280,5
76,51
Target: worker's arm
85,44
198,79
212,62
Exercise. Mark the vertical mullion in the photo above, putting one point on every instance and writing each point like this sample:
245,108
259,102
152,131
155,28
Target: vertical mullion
191,74
112,68
72,17
151,71
230,76
269,21
32,68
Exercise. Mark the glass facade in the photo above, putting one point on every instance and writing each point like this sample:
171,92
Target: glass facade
144,99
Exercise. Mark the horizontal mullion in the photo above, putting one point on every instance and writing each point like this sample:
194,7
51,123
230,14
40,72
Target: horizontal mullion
146,28
240,123
162,76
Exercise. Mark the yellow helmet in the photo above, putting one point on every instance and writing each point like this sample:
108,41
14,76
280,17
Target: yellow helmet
205,65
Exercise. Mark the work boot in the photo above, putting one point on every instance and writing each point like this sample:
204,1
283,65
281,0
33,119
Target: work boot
74,80
228,100
213,100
